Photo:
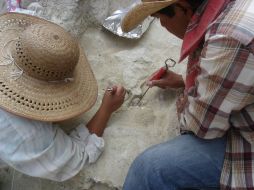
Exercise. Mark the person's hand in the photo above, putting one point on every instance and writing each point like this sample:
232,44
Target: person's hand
113,100
169,79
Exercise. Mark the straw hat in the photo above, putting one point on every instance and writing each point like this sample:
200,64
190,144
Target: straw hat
44,74
142,10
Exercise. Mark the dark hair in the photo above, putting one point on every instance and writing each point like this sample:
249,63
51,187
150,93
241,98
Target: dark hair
195,4
170,10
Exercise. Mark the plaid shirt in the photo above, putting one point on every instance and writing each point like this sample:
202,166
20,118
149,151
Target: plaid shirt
220,84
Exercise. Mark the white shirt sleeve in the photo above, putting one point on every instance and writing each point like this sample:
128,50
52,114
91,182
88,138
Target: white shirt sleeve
40,149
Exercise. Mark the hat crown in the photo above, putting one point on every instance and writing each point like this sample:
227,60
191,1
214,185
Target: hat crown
46,52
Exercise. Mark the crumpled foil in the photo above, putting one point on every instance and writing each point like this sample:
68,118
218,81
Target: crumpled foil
113,24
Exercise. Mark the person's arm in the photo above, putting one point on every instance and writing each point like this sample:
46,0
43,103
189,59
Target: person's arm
112,100
223,87
42,150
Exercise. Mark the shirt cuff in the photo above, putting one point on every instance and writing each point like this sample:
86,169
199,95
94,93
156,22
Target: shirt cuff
80,133
94,145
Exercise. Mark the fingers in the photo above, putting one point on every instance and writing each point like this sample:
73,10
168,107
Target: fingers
152,75
151,82
120,91
117,89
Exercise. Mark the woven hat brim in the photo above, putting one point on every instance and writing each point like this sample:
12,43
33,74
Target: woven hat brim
141,11
36,99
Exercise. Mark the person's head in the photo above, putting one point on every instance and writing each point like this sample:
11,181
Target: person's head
44,74
174,15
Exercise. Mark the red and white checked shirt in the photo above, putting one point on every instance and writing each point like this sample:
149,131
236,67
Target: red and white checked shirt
220,84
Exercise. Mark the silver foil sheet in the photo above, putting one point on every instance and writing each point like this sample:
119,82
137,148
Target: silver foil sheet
113,24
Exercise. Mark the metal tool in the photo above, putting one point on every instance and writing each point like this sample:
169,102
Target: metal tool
110,89
163,70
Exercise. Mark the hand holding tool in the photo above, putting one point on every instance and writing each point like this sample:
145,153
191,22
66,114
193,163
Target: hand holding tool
159,74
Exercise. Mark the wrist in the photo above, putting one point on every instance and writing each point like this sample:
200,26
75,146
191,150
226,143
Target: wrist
104,111
99,122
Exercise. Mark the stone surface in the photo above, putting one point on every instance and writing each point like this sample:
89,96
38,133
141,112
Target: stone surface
114,60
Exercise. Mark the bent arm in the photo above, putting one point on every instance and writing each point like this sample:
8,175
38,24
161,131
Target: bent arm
41,150
223,87
111,101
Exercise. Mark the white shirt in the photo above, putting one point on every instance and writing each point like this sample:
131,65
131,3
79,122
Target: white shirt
41,149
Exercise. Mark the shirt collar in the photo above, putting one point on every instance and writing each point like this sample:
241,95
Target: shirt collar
198,25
